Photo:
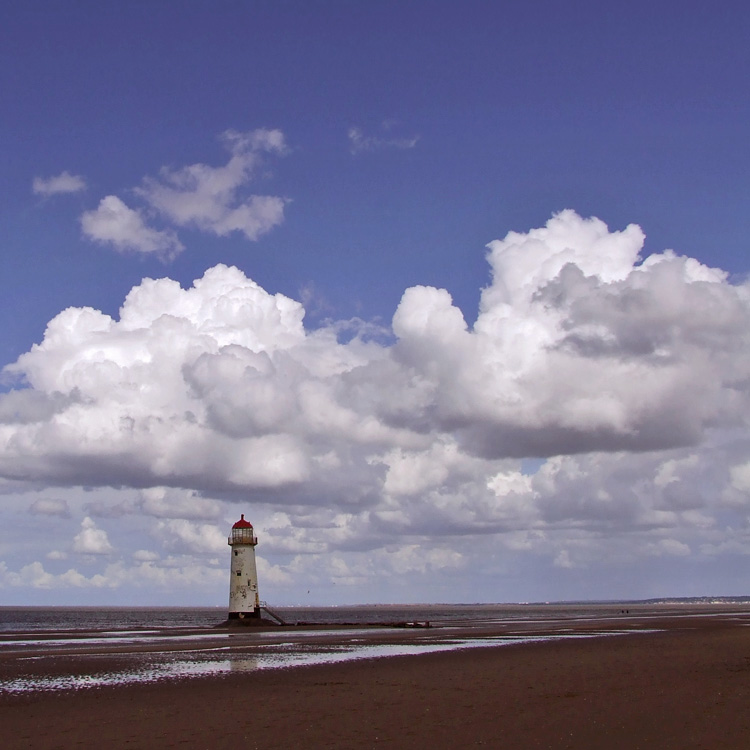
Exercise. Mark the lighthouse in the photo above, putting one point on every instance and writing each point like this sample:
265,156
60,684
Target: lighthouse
243,583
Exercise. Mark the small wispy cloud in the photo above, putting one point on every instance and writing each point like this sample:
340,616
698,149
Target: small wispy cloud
211,199
114,223
61,183
50,507
359,141
208,198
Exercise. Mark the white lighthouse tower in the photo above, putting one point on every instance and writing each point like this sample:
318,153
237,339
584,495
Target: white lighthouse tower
243,584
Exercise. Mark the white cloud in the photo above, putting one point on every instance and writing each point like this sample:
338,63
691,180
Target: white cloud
91,540
191,538
579,348
273,575
210,198
563,560
740,476
143,555
62,183
35,576
671,547
625,379
114,223
360,142
165,502
169,575
29,406
50,507
199,196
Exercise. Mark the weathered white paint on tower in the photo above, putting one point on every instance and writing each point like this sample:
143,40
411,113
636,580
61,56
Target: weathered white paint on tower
243,584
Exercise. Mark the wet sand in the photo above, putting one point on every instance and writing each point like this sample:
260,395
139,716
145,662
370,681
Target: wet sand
685,686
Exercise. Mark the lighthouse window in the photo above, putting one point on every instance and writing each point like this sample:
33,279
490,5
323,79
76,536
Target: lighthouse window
239,573
236,552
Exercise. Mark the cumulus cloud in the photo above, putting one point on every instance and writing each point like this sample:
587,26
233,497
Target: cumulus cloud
114,223
29,406
360,142
35,576
191,538
144,555
563,560
173,574
157,502
166,502
624,377
580,347
62,183
210,198
91,540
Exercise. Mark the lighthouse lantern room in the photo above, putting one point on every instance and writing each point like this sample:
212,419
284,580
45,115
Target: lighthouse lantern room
243,585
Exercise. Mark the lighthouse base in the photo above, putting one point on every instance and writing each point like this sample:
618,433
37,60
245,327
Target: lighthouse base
254,615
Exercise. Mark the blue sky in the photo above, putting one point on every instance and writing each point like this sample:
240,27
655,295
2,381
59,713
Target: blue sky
389,143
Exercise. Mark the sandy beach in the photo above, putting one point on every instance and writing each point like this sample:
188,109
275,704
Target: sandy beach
680,683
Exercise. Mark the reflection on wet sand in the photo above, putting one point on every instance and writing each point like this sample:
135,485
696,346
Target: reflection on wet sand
90,670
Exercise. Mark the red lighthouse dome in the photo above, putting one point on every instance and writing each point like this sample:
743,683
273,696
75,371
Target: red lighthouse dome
242,523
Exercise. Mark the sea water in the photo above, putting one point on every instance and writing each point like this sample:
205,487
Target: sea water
37,619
